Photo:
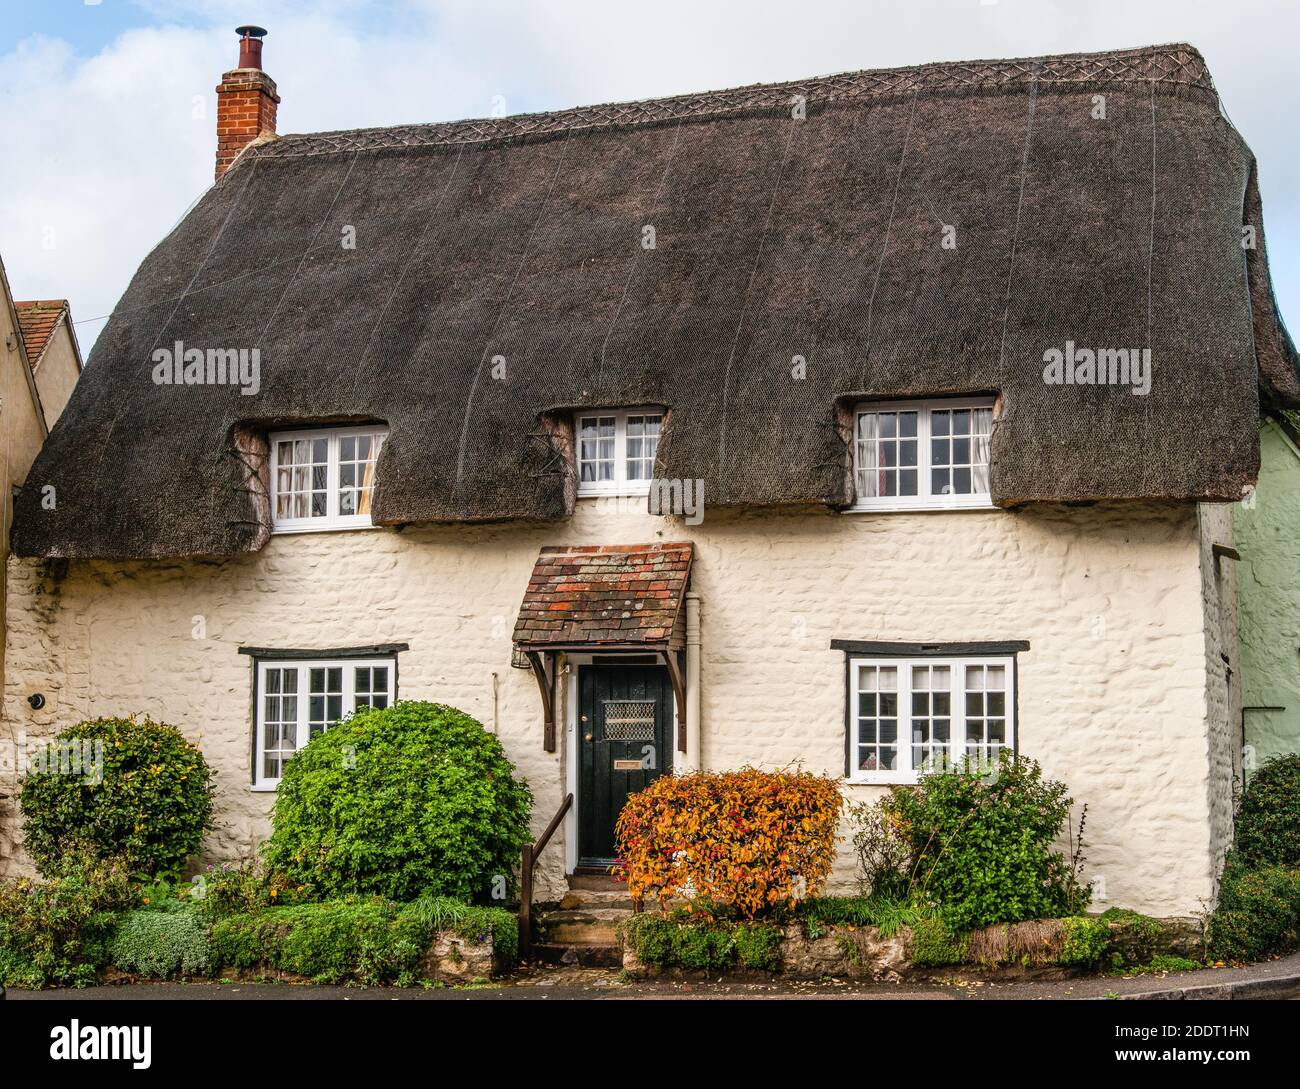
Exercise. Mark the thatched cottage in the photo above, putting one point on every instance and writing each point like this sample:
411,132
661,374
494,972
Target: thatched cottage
855,422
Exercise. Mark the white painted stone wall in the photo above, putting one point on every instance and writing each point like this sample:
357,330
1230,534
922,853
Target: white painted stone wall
1223,673
1114,696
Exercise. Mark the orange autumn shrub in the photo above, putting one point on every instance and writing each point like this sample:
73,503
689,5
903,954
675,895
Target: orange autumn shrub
750,841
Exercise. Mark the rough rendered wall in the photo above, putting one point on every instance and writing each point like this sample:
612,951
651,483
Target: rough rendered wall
1112,692
1268,537
57,374
1222,677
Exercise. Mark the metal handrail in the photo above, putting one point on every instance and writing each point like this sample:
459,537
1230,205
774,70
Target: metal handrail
527,860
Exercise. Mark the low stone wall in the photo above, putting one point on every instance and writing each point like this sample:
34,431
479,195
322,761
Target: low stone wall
1044,948
452,959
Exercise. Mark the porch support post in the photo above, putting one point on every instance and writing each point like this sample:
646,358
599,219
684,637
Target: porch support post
694,737
679,694
544,671
526,902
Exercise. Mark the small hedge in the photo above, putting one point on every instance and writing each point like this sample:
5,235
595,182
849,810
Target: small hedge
1258,912
679,941
57,932
980,844
414,798
1268,821
363,940
749,841
148,803
161,944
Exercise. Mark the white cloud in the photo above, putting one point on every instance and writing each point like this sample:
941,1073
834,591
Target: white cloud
104,153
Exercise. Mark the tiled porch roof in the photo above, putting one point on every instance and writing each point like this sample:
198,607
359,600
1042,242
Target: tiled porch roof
606,595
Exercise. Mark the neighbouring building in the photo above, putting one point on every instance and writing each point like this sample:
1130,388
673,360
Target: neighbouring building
39,364
858,423
1267,532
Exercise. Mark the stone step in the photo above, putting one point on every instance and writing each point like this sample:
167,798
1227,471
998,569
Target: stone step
586,956
583,926
577,899
595,882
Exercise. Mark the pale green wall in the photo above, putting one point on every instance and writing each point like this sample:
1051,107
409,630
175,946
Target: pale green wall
1267,534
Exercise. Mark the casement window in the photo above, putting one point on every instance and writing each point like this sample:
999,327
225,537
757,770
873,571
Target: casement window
324,479
922,454
616,451
298,699
908,715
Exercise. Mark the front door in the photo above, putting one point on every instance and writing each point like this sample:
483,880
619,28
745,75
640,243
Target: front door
625,715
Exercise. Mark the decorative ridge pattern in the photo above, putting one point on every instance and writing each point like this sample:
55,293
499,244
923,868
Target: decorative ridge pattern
1167,66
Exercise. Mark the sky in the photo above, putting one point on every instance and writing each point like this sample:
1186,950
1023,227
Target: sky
107,108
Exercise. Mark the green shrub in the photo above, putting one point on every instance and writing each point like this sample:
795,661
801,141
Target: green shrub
1268,820
57,932
981,844
934,944
886,915
161,944
366,940
1258,912
1085,940
149,802
883,855
471,922
680,941
1160,965
414,798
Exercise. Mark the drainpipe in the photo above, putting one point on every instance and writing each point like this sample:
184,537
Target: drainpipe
692,761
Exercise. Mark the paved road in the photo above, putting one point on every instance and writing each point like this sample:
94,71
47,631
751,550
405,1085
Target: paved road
555,984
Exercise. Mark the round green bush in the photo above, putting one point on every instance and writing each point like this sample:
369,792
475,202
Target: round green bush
1268,822
124,787
412,799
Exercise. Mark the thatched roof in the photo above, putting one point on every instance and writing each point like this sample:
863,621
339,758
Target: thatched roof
775,236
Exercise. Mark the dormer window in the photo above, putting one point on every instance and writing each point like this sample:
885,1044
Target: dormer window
616,451
928,455
324,479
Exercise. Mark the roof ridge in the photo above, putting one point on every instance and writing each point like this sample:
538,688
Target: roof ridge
1175,65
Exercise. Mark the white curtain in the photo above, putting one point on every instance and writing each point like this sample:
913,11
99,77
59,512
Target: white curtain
981,431
870,479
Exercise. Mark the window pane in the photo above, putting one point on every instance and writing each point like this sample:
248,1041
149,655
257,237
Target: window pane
880,692
885,442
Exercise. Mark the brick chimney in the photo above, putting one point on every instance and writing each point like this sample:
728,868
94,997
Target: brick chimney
246,100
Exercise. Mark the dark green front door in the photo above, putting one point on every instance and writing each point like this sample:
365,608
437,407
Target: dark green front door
625,717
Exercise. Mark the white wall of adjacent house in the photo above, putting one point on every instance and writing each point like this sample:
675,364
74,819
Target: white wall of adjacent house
1122,692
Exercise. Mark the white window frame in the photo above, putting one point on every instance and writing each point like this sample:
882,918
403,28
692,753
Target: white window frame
924,499
302,734
905,772
332,520
620,485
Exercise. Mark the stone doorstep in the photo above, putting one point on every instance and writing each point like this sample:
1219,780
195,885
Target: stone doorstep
576,899
583,926
585,956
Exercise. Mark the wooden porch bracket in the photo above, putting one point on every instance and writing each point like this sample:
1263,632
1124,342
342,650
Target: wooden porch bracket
679,694
543,663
